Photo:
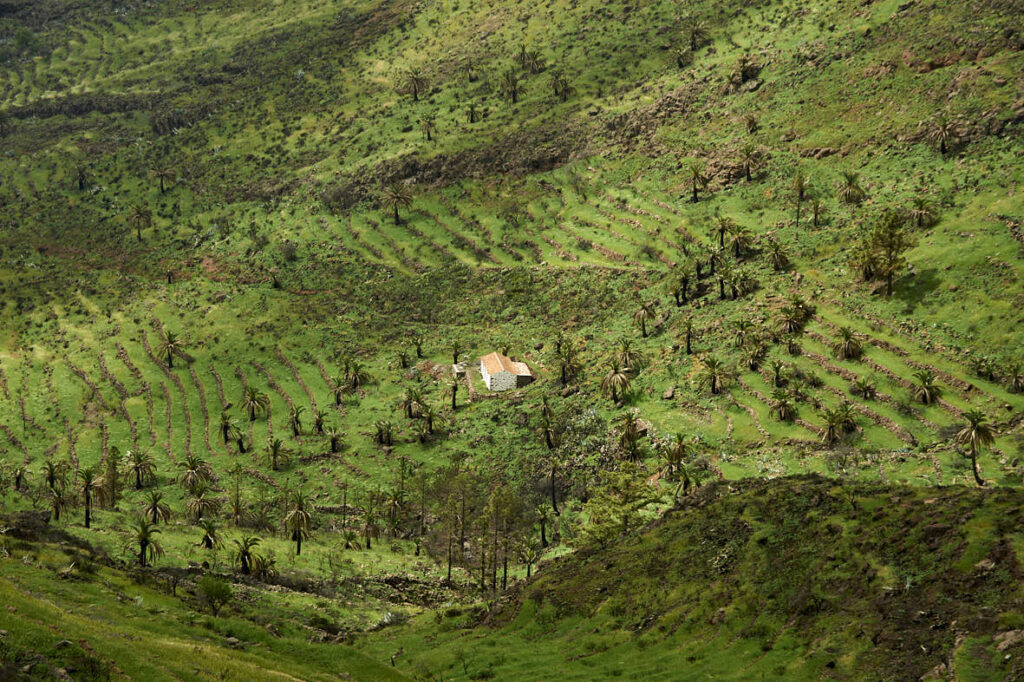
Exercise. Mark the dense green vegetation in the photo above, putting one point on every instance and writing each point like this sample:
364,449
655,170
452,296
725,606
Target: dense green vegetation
243,242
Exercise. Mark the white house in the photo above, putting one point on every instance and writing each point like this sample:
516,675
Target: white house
501,374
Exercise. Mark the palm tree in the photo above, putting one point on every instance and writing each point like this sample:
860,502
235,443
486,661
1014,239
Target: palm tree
848,347
59,501
90,484
140,465
676,453
55,474
415,82
922,211
926,391
976,434
817,209
397,196
210,539
1015,377
714,374
632,360
319,421
254,402
680,284
428,126
750,158
777,369
417,341
697,170
847,417
723,226
357,375
783,408
641,316
339,389
615,381
791,319
295,418
695,31
453,390
561,86
865,388
138,218
777,256
170,345
801,183
570,366
412,403
155,509
945,132
298,521
384,432
164,174
228,427
201,504
245,558
472,112
457,350
739,240
850,190
431,415
145,536
195,471
833,427
688,330
276,453
334,436
510,86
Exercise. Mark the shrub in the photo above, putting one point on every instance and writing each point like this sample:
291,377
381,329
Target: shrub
214,592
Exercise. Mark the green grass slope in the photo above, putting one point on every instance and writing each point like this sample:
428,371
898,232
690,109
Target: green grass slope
800,578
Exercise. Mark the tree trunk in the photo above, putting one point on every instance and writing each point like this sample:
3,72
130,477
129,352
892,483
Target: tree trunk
88,510
298,544
694,199
543,533
554,503
142,554
689,350
974,469
449,579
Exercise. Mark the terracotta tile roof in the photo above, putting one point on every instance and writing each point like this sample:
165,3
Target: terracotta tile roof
496,362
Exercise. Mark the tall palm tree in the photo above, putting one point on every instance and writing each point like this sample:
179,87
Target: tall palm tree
777,256
59,501
430,416
697,170
139,218
195,471
397,196
847,417
429,127
615,381
817,210
170,345
319,421
778,370
926,390
848,347
641,317
254,402
295,418
631,359
357,375
276,453
453,390
750,158
740,239
164,174
155,509
570,366
944,132
457,350
415,82
723,226
141,466
510,86
210,539
144,534
714,374
688,331
244,554
922,211
91,484
850,190
976,434
1015,377
55,474
561,86
298,521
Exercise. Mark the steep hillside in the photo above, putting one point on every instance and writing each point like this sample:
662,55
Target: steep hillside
799,578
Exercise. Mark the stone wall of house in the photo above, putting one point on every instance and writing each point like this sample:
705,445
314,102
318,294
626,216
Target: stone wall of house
501,381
